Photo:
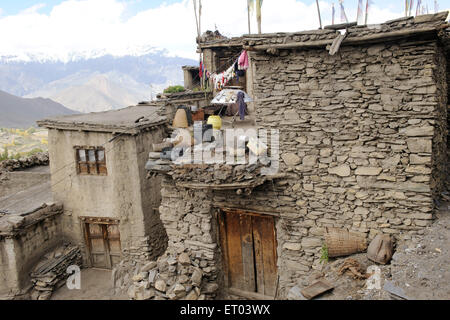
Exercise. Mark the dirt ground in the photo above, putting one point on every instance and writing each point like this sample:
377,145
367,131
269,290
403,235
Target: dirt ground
96,284
419,269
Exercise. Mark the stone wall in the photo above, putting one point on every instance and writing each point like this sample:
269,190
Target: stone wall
190,226
363,133
190,218
363,139
38,159
447,53
23,241
170,101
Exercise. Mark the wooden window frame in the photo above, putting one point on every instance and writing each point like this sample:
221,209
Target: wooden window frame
93,168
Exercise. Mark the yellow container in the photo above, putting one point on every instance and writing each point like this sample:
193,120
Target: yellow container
216,122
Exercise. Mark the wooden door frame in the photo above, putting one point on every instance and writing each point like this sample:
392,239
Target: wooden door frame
224,248
101,221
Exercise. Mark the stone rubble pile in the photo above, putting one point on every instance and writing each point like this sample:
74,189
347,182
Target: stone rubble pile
170,277
51,272
38,159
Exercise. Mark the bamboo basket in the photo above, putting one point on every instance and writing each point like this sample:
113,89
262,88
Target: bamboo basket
343,243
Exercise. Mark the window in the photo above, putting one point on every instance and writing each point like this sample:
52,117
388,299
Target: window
91,160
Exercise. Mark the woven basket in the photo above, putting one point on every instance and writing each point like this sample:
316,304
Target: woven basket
343,243
180,120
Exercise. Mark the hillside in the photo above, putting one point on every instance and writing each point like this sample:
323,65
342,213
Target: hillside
96,83
17,112
95,92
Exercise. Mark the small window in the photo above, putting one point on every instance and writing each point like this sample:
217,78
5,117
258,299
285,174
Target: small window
91,160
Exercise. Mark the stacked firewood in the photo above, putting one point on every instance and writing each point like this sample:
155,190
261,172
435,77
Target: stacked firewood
51,272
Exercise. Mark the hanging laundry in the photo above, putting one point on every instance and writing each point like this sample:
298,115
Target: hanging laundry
223,78
242,105
243,60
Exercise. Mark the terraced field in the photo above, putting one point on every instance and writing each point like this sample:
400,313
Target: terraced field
15,143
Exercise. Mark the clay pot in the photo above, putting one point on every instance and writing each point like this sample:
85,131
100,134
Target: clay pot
381,249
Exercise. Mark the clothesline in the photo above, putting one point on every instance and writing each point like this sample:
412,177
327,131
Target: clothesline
205,75
221,80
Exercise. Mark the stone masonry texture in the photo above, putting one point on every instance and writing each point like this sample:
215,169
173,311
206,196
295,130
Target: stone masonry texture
363,138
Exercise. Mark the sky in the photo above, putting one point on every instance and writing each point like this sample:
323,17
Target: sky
61,29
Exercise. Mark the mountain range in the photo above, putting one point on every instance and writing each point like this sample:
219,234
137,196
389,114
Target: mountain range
93,82
17,112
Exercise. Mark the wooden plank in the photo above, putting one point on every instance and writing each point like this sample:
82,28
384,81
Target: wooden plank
249,283
258,213
224,186
106,245
224,246
293,45
267,230
99,220
317,288
384,36
88,242
248,295
340,26
113,240
259,263
236,272
336,44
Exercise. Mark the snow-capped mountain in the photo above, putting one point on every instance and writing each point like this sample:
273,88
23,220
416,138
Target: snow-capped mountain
92,81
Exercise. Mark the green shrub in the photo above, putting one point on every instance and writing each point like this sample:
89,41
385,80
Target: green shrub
4,155
324,250
174,89
31,130
34,151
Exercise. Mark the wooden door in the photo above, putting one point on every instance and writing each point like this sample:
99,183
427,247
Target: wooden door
249,247
103,242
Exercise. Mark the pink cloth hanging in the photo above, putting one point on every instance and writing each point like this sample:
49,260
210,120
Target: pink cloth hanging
243,61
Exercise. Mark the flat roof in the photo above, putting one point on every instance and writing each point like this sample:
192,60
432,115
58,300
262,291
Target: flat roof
129,120
27,201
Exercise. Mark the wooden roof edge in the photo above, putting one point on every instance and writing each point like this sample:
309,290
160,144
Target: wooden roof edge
75,126
424,20
350,40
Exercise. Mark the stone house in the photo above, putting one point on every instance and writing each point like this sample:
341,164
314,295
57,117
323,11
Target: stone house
97,172
362,146
362,124
28,223
191,77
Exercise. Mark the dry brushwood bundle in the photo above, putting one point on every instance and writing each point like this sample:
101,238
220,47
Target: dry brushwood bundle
354,268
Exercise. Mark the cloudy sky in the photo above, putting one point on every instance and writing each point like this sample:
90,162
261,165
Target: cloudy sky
59,28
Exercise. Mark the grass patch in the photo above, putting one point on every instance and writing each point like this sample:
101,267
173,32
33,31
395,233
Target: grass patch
324,256
174,89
